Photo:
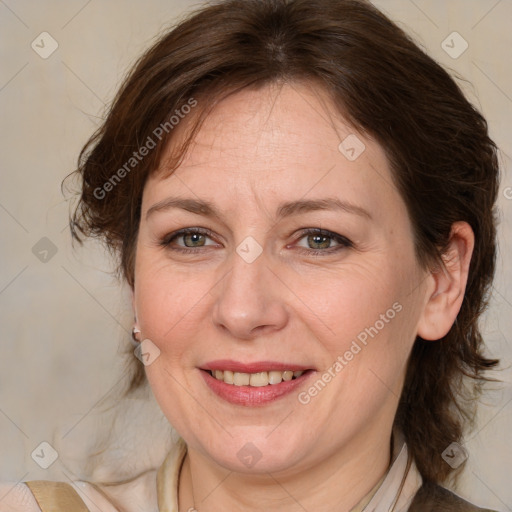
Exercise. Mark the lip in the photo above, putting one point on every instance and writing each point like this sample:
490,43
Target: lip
251,396
255,367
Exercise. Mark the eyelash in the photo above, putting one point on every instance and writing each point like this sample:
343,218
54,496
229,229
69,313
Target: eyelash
343,242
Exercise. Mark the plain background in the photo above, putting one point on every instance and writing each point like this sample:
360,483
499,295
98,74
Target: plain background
64,319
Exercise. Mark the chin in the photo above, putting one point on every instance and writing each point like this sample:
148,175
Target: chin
255,452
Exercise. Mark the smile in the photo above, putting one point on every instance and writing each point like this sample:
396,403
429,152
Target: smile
254,384
258,379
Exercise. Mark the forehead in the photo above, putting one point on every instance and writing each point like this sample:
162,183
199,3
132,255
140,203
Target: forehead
278,140
275,122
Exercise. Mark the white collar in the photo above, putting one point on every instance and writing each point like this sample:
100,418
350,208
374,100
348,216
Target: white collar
401,482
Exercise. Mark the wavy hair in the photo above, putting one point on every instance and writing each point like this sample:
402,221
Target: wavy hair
443,162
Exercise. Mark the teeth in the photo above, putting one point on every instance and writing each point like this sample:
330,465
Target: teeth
287,375
241,379
259,379
275,377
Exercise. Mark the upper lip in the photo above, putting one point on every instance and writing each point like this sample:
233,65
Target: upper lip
254,367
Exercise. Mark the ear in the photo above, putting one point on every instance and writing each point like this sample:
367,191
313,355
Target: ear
447,286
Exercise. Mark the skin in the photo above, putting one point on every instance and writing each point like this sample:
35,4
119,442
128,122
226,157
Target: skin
257,149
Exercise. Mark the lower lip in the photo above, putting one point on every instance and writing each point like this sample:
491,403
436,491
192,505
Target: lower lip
251,395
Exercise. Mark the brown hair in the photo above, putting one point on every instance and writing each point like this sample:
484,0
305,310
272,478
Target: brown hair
444,163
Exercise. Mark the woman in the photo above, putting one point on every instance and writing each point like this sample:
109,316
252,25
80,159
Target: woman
302,203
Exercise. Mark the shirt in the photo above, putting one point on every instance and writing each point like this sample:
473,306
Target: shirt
157,490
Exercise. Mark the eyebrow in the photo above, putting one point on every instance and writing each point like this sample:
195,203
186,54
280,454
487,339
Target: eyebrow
207,209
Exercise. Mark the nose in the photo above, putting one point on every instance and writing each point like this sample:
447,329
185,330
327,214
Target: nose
249,300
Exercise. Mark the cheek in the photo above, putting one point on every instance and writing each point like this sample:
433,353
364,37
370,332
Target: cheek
164,291
371,315
165,301
347,302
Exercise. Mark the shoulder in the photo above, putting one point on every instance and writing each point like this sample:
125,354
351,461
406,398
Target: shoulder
16,497
432,497
134,495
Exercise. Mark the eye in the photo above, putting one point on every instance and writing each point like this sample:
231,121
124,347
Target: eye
191,238
320,241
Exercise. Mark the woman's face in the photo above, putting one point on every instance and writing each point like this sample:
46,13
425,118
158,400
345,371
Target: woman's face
300,258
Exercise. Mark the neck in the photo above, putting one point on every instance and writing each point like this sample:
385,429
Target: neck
338,482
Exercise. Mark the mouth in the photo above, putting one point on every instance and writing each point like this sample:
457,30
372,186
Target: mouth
258,379
253,384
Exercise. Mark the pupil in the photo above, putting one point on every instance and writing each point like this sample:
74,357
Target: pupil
320,239
195,237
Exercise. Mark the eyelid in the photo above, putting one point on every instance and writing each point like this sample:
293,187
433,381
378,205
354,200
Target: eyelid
343,242
186,231
324,232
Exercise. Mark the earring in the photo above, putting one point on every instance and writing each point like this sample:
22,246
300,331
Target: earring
135,332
